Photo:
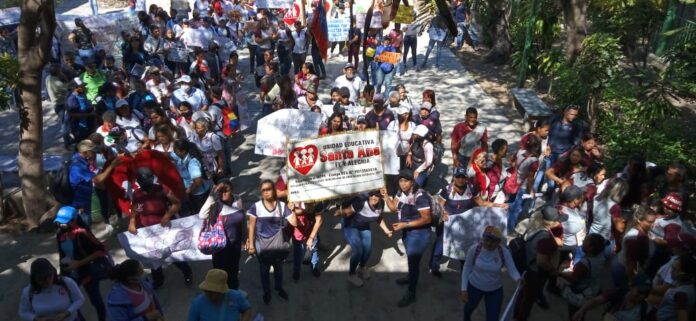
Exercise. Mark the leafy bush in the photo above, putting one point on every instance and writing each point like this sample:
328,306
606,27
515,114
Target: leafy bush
681,71
547,30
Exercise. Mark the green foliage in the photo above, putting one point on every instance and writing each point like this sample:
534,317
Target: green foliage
10,3
9,77
681,70
547,30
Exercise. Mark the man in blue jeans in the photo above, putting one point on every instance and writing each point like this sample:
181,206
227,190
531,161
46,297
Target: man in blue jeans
411,32
414,208
438,35
461,17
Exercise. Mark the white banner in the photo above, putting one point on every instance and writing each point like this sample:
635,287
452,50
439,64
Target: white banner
333,166
155,246
390,139
464,230
274,3
338,29
274,130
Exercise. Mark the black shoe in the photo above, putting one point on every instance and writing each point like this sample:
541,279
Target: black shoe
407,300
402,281
188,280
267,298
282,294
296,276
436,273
316,272
541,302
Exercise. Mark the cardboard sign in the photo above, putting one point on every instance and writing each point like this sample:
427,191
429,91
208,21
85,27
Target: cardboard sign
334,166
275,3
339,29
155,246
404,15
389,57
464,230
274,130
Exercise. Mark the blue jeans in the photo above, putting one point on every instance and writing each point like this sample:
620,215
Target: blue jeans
265,270
410,42
461,31
540,176
517,207
436,253
266,109
431,44
384,78
422,179
298,252
494,301
360,246
415,242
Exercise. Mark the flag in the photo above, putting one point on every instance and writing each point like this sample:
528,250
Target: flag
319,29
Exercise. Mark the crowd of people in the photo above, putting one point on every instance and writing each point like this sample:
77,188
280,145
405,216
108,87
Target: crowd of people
172,98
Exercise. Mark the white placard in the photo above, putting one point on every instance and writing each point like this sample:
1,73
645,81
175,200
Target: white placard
275,3
274,130
389,140
339,29
464,230
155,246
334,166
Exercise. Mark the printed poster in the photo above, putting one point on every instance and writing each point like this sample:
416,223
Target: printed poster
156,246
275,3
389,57
339,29
274,130
334,166
464,230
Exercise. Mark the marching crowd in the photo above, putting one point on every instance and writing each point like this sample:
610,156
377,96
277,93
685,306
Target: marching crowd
174,98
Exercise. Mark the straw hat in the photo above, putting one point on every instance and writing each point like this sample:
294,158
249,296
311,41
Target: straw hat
215,281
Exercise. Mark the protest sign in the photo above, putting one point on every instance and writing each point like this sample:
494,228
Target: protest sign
275,3
181,6
273,130
140,5
353,111
360,19
404,15
464,230
376,21
389,57
389,140
155,245
334,166
338,29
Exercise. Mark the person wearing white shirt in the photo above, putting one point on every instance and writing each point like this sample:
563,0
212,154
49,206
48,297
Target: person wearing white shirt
154,44
481,276
350,80
49,296
299,49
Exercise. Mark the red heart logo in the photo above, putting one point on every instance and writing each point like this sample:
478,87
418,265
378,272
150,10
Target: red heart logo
302,159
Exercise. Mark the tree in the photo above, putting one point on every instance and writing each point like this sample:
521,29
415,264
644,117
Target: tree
575,15
35,33
499,30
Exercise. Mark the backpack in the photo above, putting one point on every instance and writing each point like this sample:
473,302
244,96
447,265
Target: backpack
438,153
518,250
60,186
436,209
478,252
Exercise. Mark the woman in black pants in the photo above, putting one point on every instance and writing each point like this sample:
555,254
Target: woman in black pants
222,204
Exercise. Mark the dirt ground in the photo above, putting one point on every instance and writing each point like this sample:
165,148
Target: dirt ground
494,80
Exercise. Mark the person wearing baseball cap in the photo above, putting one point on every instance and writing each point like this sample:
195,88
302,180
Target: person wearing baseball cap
351,81
187,92
420,156
413,206
361,123
574,227
385,70
380,116
217,299
482,277
670,218
424,118
540,247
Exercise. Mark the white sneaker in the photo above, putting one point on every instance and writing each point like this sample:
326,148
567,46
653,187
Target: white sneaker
363,273
355,280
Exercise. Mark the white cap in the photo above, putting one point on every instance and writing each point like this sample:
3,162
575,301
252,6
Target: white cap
184,78
121,102
402,109
421,130
78,81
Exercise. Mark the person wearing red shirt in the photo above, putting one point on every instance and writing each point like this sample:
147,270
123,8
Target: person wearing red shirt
467,136
541,130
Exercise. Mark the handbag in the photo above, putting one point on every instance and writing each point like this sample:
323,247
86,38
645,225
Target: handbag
212,238
275,248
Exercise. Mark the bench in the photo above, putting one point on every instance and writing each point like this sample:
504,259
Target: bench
529,106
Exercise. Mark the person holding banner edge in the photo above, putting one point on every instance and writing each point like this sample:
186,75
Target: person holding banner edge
414,209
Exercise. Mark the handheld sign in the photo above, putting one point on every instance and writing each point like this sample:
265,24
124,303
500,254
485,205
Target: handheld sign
389,57
339,29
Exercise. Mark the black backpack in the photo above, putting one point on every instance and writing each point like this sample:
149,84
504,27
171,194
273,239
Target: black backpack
60,186
518,250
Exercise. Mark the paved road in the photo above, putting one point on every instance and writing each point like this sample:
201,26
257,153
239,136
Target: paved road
329,297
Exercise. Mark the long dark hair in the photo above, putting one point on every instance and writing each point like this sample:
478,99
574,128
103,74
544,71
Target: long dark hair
42,266
334,115
126,269
190,148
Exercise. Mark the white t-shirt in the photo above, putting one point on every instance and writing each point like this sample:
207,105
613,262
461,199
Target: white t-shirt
354,86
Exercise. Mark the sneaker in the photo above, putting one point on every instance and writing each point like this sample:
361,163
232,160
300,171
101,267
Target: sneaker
436,273
407,300
355,280
402,281
283,295
316,272
296,276
363,273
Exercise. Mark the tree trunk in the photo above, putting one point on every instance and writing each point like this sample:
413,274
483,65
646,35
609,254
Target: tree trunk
35,32
575,15
502,45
